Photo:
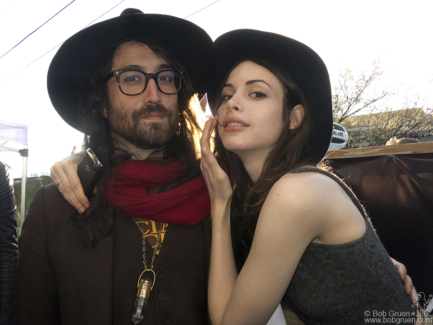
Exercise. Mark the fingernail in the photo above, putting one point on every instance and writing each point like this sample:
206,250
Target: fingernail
81,210
204,150
86,206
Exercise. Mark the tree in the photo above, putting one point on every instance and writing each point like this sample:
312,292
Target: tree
365,112
355,94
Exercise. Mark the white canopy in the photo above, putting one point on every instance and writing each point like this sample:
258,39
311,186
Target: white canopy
12,132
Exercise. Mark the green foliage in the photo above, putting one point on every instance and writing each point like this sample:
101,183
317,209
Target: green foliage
33,183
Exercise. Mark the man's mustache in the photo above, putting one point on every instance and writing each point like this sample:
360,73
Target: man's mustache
147,109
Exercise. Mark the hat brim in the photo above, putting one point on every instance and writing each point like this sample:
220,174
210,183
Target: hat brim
77,58
303,64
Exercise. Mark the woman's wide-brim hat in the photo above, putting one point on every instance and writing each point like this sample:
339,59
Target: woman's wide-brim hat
303,64
76,60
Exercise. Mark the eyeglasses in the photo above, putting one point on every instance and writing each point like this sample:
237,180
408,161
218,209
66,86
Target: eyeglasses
134,82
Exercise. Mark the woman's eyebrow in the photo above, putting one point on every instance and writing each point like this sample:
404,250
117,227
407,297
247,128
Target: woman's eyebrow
249,82
228,85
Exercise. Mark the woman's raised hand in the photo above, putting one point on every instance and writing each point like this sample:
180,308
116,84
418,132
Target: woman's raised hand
64,174
217,181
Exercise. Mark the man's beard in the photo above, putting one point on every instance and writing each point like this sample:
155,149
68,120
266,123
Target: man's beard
128,125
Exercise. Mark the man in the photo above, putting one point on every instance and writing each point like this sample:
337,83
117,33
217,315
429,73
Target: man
125,83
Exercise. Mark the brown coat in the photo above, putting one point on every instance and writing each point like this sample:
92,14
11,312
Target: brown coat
60,282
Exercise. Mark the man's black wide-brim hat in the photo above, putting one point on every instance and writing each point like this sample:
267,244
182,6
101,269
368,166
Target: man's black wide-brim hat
76,60
303,64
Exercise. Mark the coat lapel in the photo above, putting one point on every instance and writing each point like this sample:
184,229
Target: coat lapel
93,272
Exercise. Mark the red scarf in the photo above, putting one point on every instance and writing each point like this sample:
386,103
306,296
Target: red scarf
186,204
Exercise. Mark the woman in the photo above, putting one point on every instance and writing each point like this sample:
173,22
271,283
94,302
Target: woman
310,242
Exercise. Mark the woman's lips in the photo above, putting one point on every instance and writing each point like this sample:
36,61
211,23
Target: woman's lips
234,124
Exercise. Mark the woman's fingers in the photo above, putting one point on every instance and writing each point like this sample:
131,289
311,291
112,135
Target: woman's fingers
207,132
414,297
216,178
208,158
407,280
64,174
212,127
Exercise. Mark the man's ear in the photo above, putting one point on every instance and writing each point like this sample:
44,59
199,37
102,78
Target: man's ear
296,116
104,112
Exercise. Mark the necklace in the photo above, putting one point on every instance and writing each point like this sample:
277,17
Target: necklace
145,284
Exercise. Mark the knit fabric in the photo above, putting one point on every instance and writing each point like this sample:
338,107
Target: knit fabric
350,283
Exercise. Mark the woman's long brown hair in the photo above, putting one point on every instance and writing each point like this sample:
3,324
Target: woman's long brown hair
293,149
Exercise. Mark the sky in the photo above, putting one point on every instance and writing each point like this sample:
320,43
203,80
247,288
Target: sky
345,33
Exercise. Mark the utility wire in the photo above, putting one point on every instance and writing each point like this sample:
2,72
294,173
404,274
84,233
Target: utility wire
8,7
82,28
102,15
38,28
201,9
56,45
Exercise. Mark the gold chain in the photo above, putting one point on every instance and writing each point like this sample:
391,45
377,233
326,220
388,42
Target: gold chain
154,250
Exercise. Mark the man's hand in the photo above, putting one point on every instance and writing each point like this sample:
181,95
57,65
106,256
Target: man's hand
407,281
64,174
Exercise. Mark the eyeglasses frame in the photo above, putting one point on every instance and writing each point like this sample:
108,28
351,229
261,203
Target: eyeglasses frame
148,76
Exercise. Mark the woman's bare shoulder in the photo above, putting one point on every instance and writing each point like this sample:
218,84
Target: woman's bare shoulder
321,203
308,184
308,194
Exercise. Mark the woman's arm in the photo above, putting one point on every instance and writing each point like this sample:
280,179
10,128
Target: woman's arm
222,272
285,228
64,174
253,296
287,224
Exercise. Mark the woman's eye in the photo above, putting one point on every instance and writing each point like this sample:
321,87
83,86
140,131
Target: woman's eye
226,97
258,94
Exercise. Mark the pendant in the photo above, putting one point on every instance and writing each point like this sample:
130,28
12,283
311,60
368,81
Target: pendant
144,286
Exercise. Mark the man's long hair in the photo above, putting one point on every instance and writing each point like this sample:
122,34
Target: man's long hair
97,220
292,149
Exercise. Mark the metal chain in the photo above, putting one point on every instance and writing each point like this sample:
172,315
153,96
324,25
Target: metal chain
154,250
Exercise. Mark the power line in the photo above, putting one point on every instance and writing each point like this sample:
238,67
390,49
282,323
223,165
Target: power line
38,28
56,45
201,9
8,7
82,28
102,15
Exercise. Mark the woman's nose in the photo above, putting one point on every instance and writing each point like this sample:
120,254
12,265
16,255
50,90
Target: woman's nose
233,104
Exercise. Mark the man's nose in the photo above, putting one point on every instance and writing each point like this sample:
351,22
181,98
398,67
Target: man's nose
152,93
